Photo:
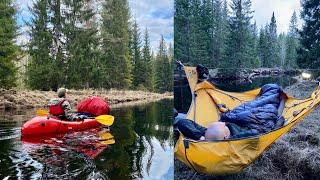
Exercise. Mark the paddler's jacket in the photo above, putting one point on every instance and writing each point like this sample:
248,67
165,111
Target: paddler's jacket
61,107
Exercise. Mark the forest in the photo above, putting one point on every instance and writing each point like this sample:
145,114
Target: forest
224,34
74,44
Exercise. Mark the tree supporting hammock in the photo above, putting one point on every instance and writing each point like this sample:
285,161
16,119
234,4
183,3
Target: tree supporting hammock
231,155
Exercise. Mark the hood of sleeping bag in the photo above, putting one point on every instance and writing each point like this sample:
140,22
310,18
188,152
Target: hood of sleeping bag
94,105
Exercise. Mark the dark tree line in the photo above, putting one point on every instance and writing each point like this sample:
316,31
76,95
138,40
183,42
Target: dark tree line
224,35
70,47
8,50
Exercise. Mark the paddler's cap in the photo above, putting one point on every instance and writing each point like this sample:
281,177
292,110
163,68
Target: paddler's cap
61,92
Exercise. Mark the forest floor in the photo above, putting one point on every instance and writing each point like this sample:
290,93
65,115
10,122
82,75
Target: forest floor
296,155
25,99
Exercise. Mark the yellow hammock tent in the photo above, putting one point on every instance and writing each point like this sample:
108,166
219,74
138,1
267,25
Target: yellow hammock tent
233,155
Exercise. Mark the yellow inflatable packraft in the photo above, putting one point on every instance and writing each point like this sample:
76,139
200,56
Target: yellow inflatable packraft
231,156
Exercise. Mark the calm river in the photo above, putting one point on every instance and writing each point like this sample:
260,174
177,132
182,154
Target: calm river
139,145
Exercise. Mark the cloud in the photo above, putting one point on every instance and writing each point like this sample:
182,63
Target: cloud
157,16
283,10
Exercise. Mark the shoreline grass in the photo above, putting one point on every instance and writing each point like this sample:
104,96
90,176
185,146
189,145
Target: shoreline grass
27,99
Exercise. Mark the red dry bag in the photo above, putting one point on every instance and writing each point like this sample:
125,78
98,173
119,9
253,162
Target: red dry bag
94,105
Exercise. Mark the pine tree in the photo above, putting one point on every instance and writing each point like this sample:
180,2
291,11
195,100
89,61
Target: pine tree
8,50
147,59
292,43
115,44
241,41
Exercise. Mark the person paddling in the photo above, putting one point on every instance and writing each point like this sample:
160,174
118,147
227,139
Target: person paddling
60,107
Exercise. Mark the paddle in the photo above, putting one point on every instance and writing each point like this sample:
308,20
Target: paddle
42,112
102,119
106,138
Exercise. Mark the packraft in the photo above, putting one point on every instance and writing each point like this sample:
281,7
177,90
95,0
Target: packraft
42,125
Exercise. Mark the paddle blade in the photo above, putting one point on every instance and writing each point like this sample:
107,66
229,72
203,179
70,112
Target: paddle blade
42,112
105,119
106,138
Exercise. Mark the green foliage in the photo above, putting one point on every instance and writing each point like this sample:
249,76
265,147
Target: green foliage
62,46
182,31
141,59
212,33
8,50
163,69
272,51
309,52
147,59
292,43
241,43
139,67
66,48
115,58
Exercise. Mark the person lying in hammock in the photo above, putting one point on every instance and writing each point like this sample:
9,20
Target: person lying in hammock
259,116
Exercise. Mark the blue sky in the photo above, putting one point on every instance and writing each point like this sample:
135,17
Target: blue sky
157,16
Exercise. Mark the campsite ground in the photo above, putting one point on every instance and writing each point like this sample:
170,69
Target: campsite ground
296,155
22,99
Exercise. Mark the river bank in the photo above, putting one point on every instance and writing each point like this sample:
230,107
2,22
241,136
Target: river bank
27,99
296,155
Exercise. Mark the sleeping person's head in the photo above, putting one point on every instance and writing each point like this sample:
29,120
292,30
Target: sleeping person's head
217,131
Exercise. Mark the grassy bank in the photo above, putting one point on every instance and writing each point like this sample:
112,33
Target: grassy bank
22,99
296,155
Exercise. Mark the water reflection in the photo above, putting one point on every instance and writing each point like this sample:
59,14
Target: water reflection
141,148
144,143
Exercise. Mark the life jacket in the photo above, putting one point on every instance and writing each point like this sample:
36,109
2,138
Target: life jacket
56,109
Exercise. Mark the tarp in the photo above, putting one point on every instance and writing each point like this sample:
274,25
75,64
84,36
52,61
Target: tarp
231,156
94,105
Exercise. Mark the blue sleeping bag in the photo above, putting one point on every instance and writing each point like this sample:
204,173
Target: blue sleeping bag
262,114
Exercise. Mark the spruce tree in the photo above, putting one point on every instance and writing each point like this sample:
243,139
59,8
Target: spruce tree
139,67
81,43
182,30
292,43
309,52
42,70
282,50
263,47
273,46
115,44
241,42
163,74
223,33
198,34
8,50
147,59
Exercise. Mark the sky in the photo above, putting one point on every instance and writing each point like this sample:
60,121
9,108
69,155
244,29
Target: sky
157,16
283,10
